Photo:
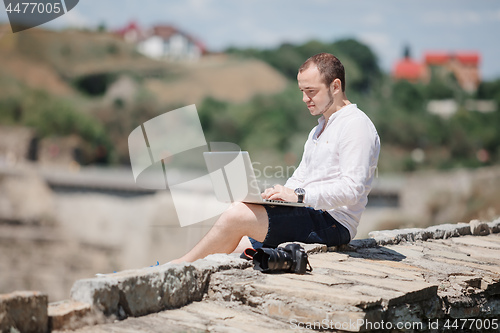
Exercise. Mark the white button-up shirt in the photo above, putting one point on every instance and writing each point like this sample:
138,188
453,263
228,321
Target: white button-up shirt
338,165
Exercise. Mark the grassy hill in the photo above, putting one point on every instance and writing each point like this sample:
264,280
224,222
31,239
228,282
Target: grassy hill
99,87
59,62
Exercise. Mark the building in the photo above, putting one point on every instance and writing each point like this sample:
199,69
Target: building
131,33
464,66
163,42
409,69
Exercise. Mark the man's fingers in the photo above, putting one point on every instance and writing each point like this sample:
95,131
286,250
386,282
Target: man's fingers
268,192
276,196
272,192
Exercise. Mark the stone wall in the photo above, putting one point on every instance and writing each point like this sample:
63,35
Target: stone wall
422,277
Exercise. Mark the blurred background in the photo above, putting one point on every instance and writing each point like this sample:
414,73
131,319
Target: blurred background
71,91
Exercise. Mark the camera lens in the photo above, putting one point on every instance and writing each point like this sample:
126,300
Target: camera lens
272,260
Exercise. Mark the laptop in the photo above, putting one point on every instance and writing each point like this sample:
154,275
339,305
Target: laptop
233,179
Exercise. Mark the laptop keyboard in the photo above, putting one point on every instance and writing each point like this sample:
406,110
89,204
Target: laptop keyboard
277,201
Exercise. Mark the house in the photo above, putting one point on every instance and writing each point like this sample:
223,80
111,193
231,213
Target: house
409,69
131,33
463,65
163,42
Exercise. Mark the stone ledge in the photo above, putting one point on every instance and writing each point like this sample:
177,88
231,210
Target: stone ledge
139,292
135,293
373,294
24,311
70,315
442,231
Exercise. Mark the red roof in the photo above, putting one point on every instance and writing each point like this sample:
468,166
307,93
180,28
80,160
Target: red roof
468,58
132,26
408,69
167,31
162,31
442,58
437,58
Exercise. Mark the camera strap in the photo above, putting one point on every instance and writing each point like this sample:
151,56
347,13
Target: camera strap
248,253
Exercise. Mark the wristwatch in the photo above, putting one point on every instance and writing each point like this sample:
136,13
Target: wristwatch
301,193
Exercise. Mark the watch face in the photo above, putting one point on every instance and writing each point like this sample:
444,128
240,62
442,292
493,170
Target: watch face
300,194
300,191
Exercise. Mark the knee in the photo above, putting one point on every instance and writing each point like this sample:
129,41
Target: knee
237,213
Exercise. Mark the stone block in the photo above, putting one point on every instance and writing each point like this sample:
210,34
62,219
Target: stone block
490,286
221,261
495,226
309,248
415,315
334,266
152,289
478,228
358,243
219,317
442,231
144,292
463,229
24,311
184,285
70,315
342,293
388,237
102,293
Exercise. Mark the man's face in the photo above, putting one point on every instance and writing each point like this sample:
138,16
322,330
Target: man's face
317,96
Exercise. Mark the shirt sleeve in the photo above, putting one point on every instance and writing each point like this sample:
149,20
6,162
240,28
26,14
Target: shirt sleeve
297,178
299,175
358,151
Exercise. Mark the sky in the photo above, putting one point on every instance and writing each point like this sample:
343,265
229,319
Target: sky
384,25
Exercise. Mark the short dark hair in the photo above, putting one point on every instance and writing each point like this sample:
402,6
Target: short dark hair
329,67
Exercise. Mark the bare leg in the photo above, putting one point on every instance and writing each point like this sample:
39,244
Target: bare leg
238,221
243,245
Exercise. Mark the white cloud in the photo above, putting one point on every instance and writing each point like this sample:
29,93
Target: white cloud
372,19
456,18
494,15
375,39
73,19
383,46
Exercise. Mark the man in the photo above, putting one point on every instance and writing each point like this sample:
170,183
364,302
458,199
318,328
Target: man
336,172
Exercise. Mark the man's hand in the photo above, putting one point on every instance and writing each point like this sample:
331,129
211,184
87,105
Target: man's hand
279,192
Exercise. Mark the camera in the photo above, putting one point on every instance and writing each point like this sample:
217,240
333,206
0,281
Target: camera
291,258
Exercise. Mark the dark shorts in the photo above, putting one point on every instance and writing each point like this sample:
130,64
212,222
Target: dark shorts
302,224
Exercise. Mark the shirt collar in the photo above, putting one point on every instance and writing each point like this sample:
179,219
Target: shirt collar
319,128
339,112
321,120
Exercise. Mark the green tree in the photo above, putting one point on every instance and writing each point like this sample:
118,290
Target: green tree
358,59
